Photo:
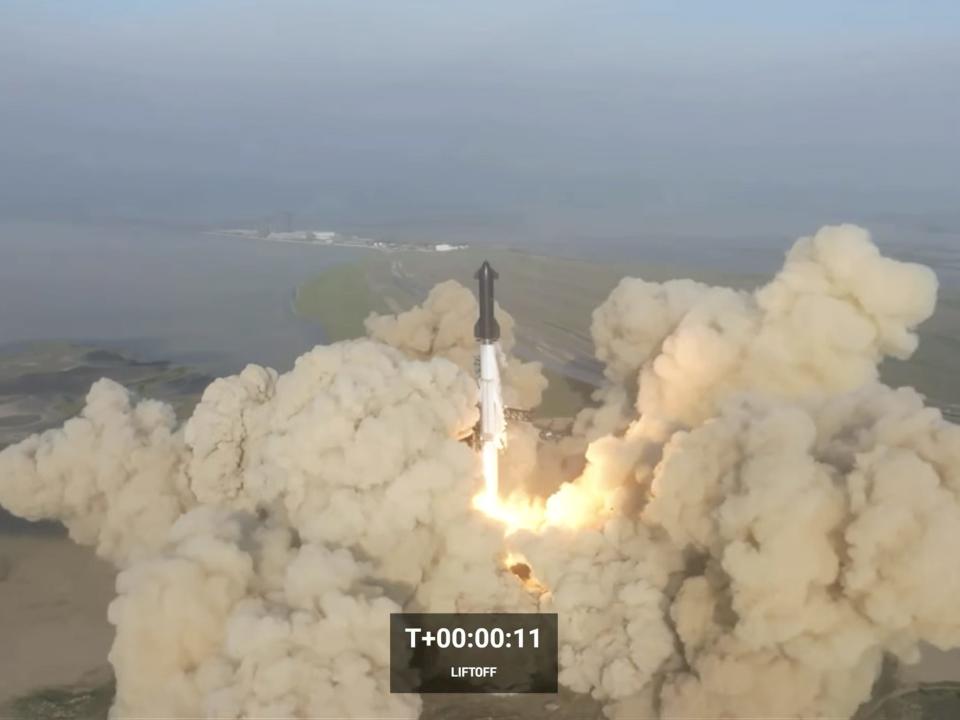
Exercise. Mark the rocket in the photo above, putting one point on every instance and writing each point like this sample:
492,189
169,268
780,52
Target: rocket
492,419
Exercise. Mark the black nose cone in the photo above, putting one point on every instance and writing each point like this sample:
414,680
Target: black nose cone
486,329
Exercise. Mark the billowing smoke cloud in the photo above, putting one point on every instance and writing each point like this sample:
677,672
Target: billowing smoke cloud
813,507
443,327
236,619
265,543
757,523
112,475
820,327
824,534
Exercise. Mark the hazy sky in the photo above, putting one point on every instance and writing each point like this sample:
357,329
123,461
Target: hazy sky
393,110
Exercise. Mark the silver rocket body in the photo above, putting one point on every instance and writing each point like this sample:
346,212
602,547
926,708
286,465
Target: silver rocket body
492,421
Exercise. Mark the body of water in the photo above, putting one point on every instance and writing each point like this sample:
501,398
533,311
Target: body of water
215,303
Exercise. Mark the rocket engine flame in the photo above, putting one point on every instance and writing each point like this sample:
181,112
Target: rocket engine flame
490,457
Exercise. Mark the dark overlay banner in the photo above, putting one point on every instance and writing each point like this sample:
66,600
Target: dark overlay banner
473,653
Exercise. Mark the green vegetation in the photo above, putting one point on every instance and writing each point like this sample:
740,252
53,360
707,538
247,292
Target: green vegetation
339,299
62,704
936,701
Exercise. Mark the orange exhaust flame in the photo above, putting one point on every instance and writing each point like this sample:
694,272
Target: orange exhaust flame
572,506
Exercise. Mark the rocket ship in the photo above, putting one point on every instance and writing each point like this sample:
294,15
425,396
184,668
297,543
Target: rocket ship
487,332
492,419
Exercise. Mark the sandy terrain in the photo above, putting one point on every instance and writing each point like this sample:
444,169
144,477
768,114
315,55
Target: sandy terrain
934,666
53,614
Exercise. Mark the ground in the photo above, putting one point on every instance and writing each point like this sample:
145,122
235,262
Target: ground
53,600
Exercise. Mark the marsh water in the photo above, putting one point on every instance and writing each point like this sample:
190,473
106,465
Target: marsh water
181,295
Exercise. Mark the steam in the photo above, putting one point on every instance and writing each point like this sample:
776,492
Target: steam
754,523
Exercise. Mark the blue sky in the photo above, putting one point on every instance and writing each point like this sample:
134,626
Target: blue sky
382,109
